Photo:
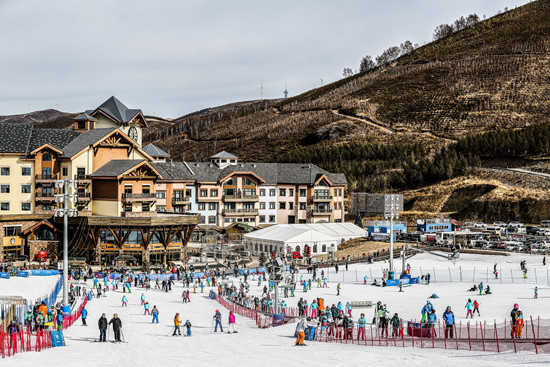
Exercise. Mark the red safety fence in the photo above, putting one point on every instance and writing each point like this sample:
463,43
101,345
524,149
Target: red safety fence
474,335
27,340
24,341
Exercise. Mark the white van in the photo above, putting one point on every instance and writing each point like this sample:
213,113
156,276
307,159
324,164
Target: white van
545,224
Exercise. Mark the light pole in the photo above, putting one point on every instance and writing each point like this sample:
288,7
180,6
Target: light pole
65,212
390,213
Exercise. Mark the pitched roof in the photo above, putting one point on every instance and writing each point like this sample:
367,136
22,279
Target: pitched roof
224,154
155,151
85,140
172,170
14,137
85,117
57,138
116,167
116,110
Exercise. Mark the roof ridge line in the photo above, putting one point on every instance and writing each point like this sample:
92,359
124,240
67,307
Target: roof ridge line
29,140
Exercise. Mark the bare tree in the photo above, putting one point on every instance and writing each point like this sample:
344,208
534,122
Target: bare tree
347,72
442,31
366,64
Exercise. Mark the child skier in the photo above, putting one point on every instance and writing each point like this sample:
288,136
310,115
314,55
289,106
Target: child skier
124,301
188,326
231,322
536,292
146,308
469,308
218,318
476,307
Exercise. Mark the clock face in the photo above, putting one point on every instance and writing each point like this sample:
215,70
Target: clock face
133,134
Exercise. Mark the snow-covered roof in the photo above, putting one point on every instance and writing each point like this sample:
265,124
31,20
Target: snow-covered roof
306,232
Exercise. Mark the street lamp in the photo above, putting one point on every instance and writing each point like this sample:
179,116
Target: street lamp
390,213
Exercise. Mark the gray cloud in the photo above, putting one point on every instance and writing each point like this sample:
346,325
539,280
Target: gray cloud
173,57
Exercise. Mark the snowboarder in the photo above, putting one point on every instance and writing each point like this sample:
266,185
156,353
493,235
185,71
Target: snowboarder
177,323
218,319
155,313
117,325
476,307
231,322
102,324
301,331
449,319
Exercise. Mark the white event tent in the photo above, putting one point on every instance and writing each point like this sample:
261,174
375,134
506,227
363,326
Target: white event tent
286,238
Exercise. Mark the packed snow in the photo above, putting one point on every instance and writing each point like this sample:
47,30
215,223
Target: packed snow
29,288
152,344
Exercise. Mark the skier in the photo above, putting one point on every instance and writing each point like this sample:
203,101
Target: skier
519,323
432,319
146,308
469,307
59,321
117,325
218,318
155,313
283,307
142,299
449,319
188,326
476,307
177,323
231,322
480,287
124,301
396,325
102,324
361,327
338,289
513,315
348,308
28,320
426,310
84,314
314,309
536,292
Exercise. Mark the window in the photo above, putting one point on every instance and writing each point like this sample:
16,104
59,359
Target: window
212,220
211,206
127,189
272,205
303,193
229,182
161,208
271,219
290,192
25,207
262,192
145,207
188,193
81,171
232,160
282,205
290,206
282,192
146,189
302,206
271,192
224,160
213,193
5,171
44,235
47,157
262,205
204,193
5,189
161,194
202,220
5,206
11,231
262,218
324,248
202,206
64,171
25,171
248,182
314,249
128,208
46,207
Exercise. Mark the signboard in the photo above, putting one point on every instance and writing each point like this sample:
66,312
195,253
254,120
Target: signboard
23,274
57,338
44,272
4,275
384,203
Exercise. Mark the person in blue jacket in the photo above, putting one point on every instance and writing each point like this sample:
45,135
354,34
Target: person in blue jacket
84,314
449,319
432,319
59,321
218,318
428,307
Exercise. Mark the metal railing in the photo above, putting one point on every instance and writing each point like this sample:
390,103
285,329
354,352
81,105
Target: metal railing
149,195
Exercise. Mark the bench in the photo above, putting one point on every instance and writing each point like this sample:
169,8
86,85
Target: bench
361,304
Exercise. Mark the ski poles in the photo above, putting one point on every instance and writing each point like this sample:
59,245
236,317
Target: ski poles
122,334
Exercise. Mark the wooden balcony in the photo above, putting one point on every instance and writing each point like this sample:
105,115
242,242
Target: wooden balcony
321,198
44,196
321,211
238,198
130,197
83,196
239,212
181,200
45,178
83,179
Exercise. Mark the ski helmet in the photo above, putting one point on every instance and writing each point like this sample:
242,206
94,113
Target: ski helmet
115,315
103,314
516,306
177,314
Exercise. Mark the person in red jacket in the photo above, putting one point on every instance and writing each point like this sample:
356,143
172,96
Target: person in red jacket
231,322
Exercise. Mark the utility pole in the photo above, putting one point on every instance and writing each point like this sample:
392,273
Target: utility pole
262,91
65,212
390,213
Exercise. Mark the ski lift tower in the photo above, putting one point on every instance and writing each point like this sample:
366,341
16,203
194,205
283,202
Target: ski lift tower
388,205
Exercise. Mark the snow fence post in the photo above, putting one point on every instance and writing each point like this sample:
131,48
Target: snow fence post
536,280
435,278
456,336
487,274
482,335
450,276
513,336
469,340
512,275
534,337
460,268
474,276
496,335
412,334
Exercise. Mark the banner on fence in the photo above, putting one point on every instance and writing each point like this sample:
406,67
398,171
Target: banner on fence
4,275
23,274
45,272
57,338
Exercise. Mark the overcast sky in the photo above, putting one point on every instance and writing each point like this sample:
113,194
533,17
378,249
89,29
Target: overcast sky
173,57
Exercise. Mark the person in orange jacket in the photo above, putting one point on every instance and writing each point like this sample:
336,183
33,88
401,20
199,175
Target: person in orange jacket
43,309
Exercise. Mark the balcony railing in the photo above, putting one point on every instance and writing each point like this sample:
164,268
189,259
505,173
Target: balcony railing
44,195
322,197
242,197
321,211
181,199
150,196
83,196
252,211
82,177
50,177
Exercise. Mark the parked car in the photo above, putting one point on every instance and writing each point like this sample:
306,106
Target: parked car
480,225
532,230
499,224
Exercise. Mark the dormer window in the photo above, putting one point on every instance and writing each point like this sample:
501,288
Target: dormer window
81,125
47,157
